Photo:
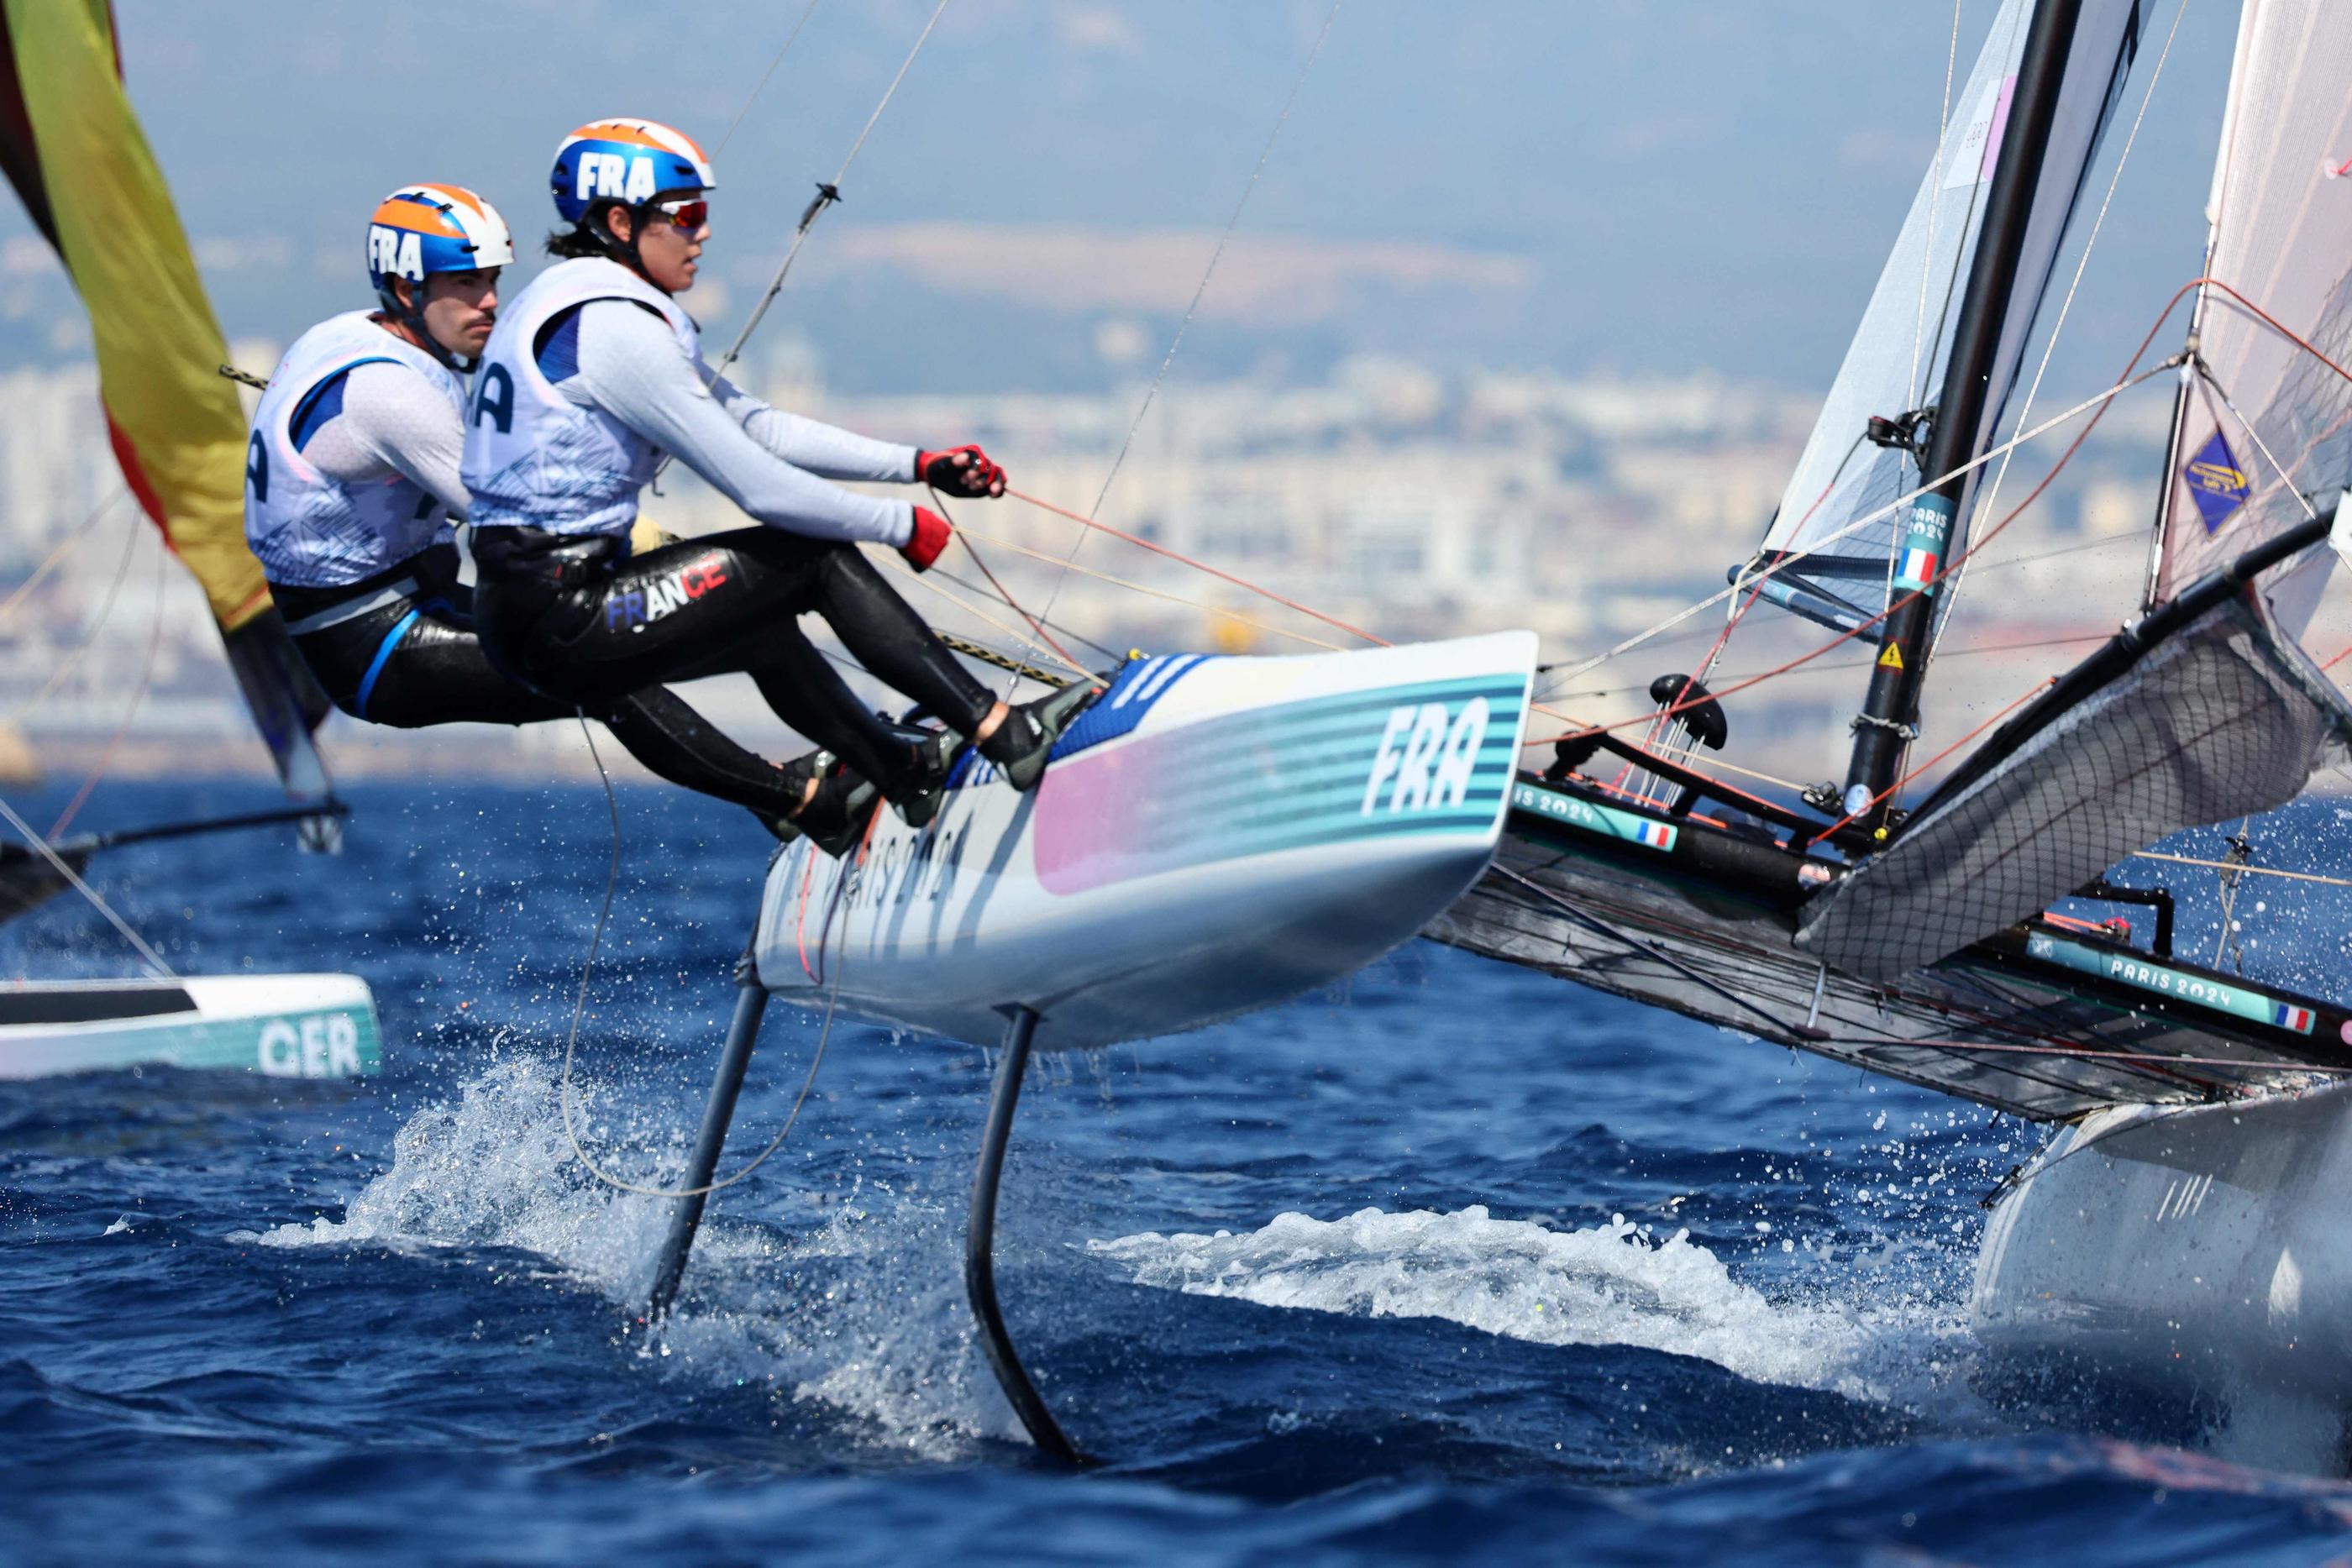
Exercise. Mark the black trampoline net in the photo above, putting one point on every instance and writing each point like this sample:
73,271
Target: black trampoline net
2217,721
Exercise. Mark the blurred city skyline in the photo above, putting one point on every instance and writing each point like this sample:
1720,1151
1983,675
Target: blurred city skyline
1637,189
1524,324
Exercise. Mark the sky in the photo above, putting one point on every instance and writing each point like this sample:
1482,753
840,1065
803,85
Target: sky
1582,185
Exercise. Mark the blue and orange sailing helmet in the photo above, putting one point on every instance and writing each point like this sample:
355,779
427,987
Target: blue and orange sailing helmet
420,230
626,161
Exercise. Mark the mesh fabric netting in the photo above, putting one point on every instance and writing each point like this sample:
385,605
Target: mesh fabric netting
2217,721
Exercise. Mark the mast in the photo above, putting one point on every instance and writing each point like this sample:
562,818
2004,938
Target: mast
1930,538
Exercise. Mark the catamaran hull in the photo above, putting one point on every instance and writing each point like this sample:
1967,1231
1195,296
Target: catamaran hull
283,1026
2204,1252
1215,835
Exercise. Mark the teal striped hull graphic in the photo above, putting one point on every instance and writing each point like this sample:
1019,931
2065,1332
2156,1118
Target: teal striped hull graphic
1415,761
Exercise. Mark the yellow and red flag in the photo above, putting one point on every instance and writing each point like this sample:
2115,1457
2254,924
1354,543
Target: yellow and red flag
72,147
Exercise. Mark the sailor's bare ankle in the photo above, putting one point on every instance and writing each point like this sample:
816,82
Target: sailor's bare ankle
996,715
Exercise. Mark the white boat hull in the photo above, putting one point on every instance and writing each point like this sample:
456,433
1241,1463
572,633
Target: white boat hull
1215,835
2203,1250
282,1026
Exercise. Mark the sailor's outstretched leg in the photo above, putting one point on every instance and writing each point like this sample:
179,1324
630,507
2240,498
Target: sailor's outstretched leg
751,1001
980,1244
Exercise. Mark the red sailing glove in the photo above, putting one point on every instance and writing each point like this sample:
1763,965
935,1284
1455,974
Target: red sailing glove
930,537
959,471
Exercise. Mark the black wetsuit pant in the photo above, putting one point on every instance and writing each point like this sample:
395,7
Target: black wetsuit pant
413,660
574,617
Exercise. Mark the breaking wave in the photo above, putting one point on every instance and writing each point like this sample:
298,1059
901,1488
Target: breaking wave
1607,1285
857,1307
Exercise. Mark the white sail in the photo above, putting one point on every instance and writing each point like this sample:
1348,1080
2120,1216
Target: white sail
1895,363
2271,429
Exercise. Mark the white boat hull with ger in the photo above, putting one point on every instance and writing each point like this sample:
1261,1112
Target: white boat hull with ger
1215,835
283,1026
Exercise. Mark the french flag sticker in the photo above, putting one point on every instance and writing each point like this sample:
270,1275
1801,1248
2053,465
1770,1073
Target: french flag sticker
1659,836
2294,1017
1916,569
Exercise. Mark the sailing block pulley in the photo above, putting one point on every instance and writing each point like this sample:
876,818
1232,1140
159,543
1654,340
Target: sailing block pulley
1908,433
1695,708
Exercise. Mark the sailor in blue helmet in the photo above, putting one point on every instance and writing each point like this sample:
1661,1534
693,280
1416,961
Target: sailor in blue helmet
592,373
353,496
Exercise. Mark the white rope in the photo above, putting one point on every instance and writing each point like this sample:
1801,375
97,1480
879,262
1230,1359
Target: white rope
2243,870
2025,410
580,1005
41,846
1264,155
1570,672
1935,189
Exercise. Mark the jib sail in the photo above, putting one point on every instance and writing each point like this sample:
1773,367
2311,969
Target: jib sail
2210,710
1865,447
2265,435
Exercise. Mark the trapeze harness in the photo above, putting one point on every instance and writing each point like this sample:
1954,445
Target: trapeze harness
351,496
589,376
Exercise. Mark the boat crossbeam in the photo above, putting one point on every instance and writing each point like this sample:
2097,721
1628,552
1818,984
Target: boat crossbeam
734,1060
980,1244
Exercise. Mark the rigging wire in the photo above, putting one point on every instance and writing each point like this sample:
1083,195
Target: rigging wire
1847,636
72,661
2096,401
2101,401
1264,155
923,580
1976,651
2034,691
138,697
827,193
56,556
580,1006
1928,253
1182,559
2242,869
1062,626
42,847
761,86
1036,625
1206,609
2057,328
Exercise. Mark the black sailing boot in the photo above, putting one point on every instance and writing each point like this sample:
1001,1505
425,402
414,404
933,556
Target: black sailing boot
834,819
1020,746
918,786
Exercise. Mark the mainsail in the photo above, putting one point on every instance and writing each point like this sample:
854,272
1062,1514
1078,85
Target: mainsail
1851,468
2265,432
2210,709
74,151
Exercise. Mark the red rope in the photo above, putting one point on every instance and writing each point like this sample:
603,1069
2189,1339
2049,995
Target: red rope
1004,593
1182,559
1954,565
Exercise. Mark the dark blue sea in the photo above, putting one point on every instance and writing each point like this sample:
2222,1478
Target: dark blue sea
1452,1262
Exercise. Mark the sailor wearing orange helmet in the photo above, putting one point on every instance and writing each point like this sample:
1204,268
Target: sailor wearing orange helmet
353,496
